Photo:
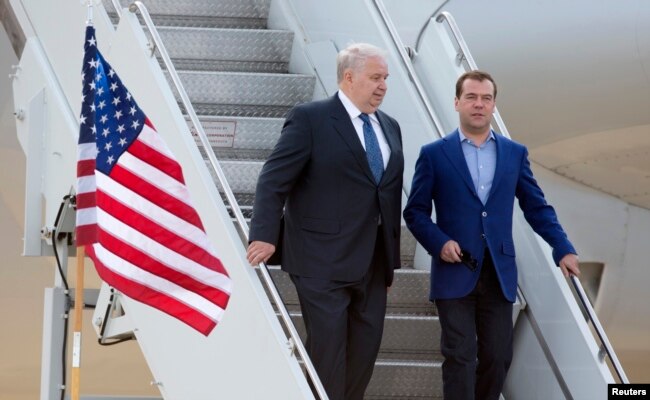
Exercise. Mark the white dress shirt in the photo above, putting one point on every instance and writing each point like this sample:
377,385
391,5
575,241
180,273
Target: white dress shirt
354,113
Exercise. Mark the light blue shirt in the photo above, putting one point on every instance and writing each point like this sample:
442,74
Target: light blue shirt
481,161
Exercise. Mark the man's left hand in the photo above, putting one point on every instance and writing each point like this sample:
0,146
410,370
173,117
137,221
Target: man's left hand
570,265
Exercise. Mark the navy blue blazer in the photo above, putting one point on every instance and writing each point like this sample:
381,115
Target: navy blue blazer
442,175
319,173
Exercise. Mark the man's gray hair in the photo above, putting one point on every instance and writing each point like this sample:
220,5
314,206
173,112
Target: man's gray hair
354,57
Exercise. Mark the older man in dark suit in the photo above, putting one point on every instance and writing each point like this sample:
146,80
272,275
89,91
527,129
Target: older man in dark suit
337,173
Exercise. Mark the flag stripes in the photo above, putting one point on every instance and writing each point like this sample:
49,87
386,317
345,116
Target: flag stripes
134,212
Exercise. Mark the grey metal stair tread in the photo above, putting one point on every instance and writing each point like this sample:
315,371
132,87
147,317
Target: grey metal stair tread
246,201
248,132
221,49
241,175
235,154
409,293
406,337
408,363
405,379
253,45
190,64
203,13
407,247
243,200
246,94
243,110
212,8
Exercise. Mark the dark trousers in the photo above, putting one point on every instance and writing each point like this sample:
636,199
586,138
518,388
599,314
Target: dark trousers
477,326
345,323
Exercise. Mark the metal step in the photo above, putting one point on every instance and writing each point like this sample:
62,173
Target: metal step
408,295
405,380
242,50
406,337
246,94
203,13
241,175
407,248
240,133
245,202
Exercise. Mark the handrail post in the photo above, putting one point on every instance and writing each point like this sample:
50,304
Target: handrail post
406,61
294,341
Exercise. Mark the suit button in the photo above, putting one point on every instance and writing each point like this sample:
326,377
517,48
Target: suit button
484,213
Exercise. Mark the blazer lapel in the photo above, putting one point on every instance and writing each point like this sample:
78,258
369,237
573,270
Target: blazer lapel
503,154
393,142
454,152
343,125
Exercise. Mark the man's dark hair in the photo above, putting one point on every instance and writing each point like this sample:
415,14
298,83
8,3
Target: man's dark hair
474,75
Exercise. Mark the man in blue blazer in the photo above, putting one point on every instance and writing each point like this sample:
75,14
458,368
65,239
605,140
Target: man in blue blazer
337,172
473,176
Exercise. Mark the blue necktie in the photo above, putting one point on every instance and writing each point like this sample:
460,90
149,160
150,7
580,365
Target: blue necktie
373,152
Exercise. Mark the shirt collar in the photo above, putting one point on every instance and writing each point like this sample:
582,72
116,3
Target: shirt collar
463,138
352,110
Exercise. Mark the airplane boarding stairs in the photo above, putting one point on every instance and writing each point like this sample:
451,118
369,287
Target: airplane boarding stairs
236,72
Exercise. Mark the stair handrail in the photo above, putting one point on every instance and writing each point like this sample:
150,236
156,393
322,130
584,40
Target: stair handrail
295,343
406,61
118,8
465,53
599,329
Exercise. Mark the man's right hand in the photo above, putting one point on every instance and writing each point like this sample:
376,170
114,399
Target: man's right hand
259,251
450,252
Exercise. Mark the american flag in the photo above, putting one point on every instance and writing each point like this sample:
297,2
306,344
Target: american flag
134,213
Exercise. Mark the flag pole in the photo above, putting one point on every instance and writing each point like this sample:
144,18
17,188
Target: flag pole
78,314
75,379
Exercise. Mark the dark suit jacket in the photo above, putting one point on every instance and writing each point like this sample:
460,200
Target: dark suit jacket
319,173
441,175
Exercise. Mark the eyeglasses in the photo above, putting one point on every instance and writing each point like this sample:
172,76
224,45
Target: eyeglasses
469,261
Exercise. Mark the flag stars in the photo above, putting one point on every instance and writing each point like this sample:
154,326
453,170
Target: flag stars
93,63
128,96
135,124
121,128
103,119
82,119
110,160
106,132
116,101
111,73
118,114
122,142
108,146
100,91
102,104
94,129
92,107
92,85
113,86
92,41
98,77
